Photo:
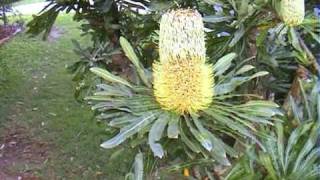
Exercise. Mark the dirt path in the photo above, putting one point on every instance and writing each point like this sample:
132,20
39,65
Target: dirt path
22,152
44,132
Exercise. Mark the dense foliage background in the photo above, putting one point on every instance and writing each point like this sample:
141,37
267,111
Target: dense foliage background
252,29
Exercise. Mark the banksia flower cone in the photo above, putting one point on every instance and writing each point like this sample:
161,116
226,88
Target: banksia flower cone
292,12
182,80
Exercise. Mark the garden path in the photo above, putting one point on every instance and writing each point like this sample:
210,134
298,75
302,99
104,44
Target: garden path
44,132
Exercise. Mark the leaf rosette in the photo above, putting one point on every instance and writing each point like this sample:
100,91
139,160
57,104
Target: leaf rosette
182,102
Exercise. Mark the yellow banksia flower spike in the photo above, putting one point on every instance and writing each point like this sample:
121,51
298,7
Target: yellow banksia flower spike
292,12
182,80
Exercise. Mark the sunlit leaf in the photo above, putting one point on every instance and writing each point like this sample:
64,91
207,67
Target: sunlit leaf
138,167
202,137
294,39
129,51
129,130
173,129
155,135
106,75
216,18
223,63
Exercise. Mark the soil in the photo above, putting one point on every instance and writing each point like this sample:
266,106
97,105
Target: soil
21,154
8,31
55,33
18,148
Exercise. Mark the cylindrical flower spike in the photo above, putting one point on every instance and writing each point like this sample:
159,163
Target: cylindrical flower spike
181,34
182,80
292,12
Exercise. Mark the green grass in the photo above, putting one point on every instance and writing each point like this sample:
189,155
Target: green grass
34,73
24,2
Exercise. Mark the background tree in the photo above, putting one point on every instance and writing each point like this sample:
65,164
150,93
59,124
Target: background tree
6,6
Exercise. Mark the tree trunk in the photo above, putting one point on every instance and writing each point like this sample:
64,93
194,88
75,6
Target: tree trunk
4,16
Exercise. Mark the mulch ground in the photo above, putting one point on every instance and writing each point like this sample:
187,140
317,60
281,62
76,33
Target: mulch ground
19,150
6,32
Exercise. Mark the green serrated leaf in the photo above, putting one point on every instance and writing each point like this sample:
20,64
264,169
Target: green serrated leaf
106,75
173,127
200,136
128,50
223,64
308,146
192,145
230,86
266,161
294,39
129,130
223,118
216,18
237,36
259,74
138,167
280,145
121,121
155,135
211,2
244,69
260,103
293,139
260,108
129,176
218,152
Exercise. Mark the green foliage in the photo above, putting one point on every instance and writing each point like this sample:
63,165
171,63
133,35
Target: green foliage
256,57
287,156
5,6
132,108
7,2
251,29
292,151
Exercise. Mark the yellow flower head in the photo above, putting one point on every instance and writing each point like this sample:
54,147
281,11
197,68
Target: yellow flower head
182,80
292,12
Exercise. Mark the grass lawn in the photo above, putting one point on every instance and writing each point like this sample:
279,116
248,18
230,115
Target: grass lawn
37,92
23,2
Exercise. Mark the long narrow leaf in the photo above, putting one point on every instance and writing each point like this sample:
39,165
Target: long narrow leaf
106,75
201,137
192,145
223,63
129,130
138,167
266,161
155,135
127,48
173,129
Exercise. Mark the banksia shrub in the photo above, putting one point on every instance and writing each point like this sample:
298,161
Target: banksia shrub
182,102
292,12
182,80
